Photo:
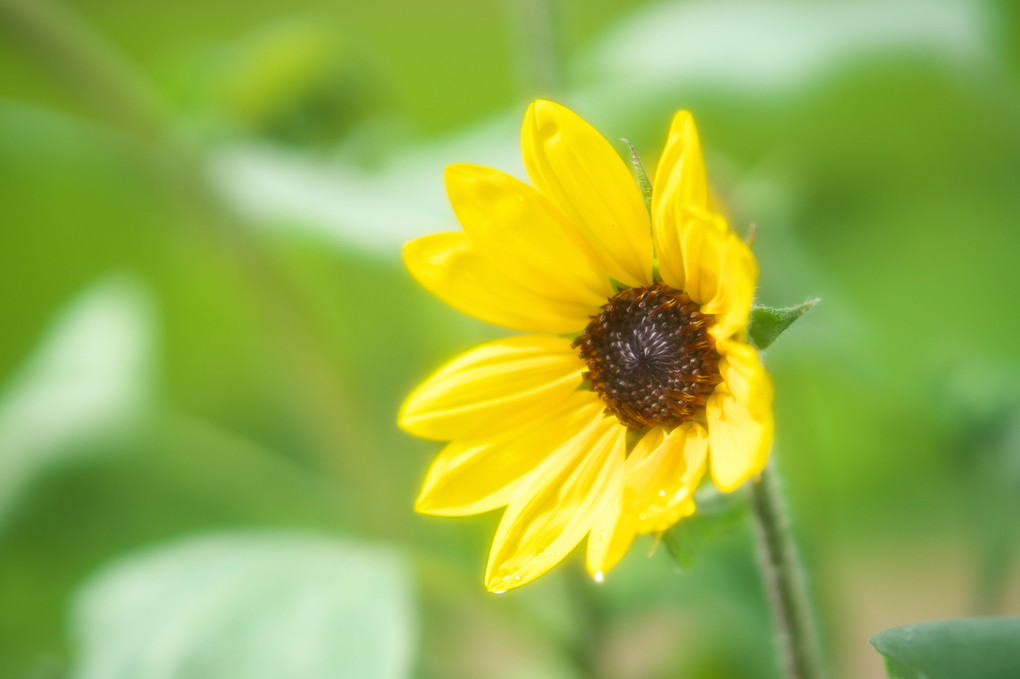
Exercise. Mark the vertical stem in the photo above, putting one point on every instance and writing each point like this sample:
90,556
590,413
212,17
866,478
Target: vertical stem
87,65
536,40
784,580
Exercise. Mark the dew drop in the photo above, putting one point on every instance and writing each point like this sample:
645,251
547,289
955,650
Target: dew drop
662,493
599,576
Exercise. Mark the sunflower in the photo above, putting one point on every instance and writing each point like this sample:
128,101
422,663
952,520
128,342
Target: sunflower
635,376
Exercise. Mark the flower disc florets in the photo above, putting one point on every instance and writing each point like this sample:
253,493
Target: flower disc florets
650,356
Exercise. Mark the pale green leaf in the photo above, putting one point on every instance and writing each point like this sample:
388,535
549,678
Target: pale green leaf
258,606
89,377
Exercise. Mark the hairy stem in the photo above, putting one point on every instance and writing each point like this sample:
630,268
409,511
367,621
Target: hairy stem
784,580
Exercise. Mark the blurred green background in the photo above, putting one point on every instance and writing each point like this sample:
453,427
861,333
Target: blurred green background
206,331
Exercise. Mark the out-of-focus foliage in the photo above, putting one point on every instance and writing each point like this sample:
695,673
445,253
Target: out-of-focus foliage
979,648
205,326
716,513
89,378
252,604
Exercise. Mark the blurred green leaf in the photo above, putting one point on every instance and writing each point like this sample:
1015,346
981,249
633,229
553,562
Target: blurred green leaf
261,606
296,80
716,513
661,40
89,377
768,323
986,648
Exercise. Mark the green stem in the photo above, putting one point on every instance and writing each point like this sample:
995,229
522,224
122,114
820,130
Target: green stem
535,24
89,67
784,580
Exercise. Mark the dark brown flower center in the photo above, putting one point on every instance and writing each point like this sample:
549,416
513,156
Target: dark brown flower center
650,356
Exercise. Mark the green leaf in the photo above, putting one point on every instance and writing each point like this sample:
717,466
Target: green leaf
253,605
768,323
987,648
89,378
717,513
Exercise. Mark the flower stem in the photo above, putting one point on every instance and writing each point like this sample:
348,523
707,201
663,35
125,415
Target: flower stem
784,580
537,37
87,65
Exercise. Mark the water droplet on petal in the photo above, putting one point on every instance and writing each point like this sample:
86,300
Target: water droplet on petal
662,493
599,576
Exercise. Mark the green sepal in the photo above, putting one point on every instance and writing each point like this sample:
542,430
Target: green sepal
768,323
642,177
976,648
645,185
716,513
633,437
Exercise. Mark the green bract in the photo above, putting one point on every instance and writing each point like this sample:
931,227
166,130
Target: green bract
768,323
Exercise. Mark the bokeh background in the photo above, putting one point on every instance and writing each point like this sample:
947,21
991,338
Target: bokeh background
206,330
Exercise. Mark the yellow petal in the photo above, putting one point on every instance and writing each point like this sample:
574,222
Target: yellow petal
451,268
525,236
554,508
493,387
659,479
719,273
739,414
613,531
680,185
611,535
573,165
469,477
745,376
662,473
680,174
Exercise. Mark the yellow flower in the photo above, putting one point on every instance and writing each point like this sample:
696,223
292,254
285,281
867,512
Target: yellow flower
640,379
